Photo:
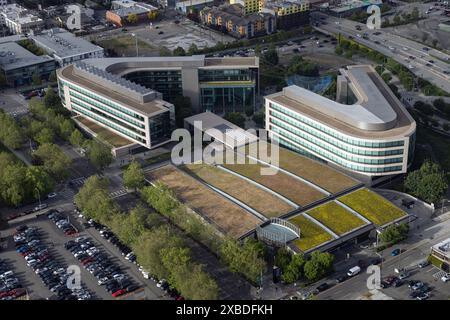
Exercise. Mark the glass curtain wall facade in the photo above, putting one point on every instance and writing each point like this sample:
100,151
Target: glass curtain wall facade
298,132
230,90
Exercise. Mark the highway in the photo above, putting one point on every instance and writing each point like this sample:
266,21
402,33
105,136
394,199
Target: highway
428,63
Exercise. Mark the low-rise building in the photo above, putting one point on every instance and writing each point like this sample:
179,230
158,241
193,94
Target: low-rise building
65,48
188,6
231,19
19,20
121,10
18,65
441,254
289,13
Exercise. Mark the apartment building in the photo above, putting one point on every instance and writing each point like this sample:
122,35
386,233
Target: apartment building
19,20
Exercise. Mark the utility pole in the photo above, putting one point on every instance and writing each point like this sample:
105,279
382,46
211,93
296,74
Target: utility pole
39,196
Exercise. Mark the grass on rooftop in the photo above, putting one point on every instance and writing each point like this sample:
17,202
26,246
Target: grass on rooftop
253,196
372,206
311,234
335,217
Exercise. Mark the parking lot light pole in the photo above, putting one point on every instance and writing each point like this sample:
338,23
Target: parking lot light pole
39,196
136,43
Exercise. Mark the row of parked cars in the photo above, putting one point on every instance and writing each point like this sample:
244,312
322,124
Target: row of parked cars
62,222
97,263
10,286
53,274
129,255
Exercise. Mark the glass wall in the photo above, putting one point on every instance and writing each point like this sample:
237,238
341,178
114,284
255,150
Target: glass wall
160,129
167,82
227,99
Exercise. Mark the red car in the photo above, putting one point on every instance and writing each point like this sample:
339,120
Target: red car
16,293
119,292
4,294
86,261
70,232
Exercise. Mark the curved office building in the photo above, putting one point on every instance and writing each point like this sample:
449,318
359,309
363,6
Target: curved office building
131,97
373,135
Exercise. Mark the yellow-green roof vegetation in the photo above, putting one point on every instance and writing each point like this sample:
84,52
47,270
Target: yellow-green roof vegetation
311,234
372,206
246,192
104,134
325,177
289,187
335,217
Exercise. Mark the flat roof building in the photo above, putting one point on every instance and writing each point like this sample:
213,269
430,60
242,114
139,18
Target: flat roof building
19,65
441,251
19,20
122,9
367,130
132,96
66,48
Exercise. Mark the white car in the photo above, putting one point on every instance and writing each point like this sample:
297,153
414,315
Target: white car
445,277
161,283
52,195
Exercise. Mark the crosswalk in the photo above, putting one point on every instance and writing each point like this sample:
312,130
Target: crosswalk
439,274
118,193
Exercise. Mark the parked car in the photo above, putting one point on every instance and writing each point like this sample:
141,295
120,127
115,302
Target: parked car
395,252
40,207
445,277
324,286
354,271
423,264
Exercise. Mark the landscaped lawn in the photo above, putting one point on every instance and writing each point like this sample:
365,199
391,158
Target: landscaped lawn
253,196
335,217
372,206
228,217
313,171
291,188
311,234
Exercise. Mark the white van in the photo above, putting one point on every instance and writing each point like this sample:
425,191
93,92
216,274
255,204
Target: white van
354,271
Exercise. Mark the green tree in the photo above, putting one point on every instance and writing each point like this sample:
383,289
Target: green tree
235,118
271,56
76,138
56,162
46,135
428,183
11,134
36,79
259,119
51,99
193,49
164,52
282,258
179,51
394,233
152,15
294,269
13,184
258,50
160,197
318,266
66,128
132,18
129,227
99,154
38,181
338,50
133,176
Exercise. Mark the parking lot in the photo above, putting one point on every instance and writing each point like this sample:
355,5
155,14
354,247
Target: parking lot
54,239
13,103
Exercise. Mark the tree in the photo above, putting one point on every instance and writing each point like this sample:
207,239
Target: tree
36,79
38,180
318,266
304,68
52,77
66,128
160,197
179,51
13,189
56,162
235,118
129,227
164,52
76,138
294,269
429,183
11,134
282,258
271,56
394,233
183,109
91,186
132,18
46,135
257,50
133,176
338,50
51,99
152,15
259,119
149,246
193,49
99,155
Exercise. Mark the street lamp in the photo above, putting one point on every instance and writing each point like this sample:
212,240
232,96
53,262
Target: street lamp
136,43
39,196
